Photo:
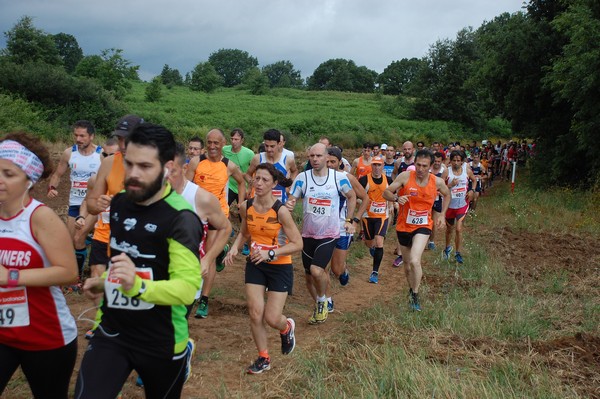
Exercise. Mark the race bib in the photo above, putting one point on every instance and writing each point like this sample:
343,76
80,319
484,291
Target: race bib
14,311
277,194
417,218
78,189
319,207
118,300
459,192
105,215
378,208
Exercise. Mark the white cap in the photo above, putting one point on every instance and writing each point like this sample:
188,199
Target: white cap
484,142
383,146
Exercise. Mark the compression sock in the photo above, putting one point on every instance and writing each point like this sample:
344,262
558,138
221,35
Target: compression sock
81,255
378,256
264,354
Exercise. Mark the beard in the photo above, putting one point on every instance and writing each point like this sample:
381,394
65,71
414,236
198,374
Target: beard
145,192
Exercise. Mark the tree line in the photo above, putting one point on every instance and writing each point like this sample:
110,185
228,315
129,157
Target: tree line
536,71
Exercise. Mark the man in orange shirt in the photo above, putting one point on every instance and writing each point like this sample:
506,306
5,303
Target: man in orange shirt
361,166
375,225
211,171
416,191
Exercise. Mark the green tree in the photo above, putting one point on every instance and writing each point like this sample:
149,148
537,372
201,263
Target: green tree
111,69
153,92
171,77
68,50
342,75
256,81
25,43
205,78
283,74
232,65
63,97
575,79
398,77
444,83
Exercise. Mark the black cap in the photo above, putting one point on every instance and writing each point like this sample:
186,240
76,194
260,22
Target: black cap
335,152
126,125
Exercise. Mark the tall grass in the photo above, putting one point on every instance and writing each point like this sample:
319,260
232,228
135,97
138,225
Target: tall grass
349,119
474,337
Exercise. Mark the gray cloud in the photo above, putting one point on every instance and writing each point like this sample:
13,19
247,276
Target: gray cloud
182,33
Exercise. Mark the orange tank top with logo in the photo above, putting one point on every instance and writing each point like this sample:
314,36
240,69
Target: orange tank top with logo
378,206
114,184
416,213
266,231
362,169
214,178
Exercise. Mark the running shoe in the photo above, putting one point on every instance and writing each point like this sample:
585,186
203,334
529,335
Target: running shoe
261,364
202,311
330,307
313,317
374,278
139,382
447,252
221,258
413,301
458,258
321,312
372,252
191,349
246,250
344,278
288,340
431,245
398,261
89,334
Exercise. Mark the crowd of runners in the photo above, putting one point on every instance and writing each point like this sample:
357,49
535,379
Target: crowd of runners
155,216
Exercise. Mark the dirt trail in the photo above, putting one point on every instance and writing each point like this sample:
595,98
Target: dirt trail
225,346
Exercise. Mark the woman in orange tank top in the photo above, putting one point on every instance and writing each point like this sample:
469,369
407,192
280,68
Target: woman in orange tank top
275,237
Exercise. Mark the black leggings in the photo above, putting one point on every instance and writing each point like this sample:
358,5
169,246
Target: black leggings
48,372
107,364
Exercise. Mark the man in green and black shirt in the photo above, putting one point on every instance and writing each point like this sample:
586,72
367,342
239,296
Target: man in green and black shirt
154,272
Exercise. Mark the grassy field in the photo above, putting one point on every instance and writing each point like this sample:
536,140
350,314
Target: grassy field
348,118
520,319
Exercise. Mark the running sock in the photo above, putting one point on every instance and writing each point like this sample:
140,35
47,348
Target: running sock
321,298
204,299
329,299
264,354
81,255
377,259
287,328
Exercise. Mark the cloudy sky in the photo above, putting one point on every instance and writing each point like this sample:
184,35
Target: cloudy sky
182,33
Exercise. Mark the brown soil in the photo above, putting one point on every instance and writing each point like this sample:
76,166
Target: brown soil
225,346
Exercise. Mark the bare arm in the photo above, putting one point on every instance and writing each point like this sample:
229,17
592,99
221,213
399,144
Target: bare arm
209,209
53,236
354,167
400,181
361,194
190,171
242,237
251,170
292,167
445,192
61,169
97,200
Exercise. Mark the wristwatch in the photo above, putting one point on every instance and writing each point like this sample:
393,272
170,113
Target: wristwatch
271,254
141,291
13,277
356,220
